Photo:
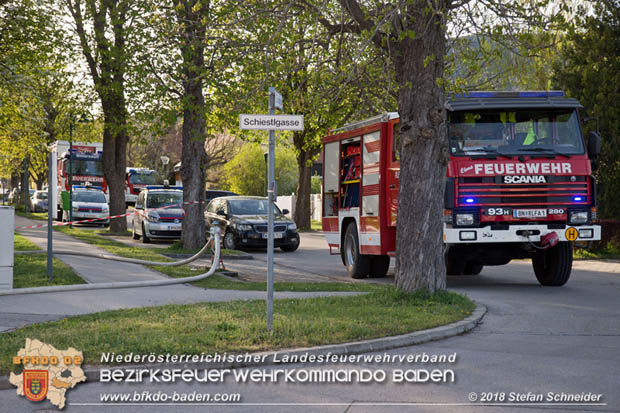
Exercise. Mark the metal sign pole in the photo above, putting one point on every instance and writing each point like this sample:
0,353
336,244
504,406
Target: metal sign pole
270,195
49,216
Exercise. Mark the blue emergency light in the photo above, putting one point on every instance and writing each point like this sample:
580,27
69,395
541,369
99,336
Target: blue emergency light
469,200
163,187
577,198
508,94
86,187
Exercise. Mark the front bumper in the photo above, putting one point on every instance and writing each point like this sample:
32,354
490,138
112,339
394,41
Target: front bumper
515,233
255,239
79,216
162,230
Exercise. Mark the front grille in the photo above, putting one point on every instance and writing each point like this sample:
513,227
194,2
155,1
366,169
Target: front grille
170,218
166,233
263,228
558,190
81,209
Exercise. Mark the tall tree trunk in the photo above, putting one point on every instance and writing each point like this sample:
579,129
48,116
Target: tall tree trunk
193,156
304,184
107,63
423,148
115,158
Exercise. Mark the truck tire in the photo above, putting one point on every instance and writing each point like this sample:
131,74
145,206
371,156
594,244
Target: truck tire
379,265
357,264
553,266
454,266
472,268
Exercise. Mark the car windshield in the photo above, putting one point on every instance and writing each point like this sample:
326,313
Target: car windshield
251,207
144,178
89,196
162,199
515,132
41,195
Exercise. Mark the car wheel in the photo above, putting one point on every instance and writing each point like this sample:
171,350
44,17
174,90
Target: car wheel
145,239
134,234
229,241
291,247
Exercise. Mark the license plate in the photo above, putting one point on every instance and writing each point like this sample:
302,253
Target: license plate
530,213
174,227
276,235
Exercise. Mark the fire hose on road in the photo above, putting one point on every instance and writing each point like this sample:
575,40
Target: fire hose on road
215,238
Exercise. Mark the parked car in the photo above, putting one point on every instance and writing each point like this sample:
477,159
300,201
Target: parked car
216,193
247,223
159,213
88,202
39,201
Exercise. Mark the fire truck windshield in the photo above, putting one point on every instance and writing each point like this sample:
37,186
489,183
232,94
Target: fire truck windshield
515,132
85,167
144,178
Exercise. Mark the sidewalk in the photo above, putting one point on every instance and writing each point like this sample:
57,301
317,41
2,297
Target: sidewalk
21,310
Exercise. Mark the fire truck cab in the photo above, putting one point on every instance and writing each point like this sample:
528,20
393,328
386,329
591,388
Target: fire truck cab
519,185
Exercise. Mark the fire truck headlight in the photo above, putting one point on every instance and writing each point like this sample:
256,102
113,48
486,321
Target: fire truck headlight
586,233
464,219
578,217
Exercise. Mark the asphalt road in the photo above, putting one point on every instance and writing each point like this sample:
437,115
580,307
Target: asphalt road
533,339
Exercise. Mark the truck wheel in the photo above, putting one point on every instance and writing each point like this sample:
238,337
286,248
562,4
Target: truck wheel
454,266
472,268
145,239
553,266
357,264
379,265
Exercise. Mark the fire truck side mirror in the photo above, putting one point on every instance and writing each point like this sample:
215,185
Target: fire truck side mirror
594,148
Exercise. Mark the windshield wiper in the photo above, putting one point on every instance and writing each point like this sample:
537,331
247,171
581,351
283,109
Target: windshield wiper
551,151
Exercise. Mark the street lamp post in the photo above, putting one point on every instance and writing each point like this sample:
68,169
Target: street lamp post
164,160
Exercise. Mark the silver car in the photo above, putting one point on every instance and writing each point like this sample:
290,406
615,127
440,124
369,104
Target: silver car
39,201
159,214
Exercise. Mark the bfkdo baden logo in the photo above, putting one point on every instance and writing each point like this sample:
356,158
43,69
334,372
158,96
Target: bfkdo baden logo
47,372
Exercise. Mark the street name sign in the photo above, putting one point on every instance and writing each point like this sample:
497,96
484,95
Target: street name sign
271,122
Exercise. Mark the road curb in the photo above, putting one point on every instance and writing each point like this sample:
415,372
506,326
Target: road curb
357,347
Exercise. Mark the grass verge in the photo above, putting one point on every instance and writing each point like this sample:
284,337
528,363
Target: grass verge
31,270
315,226
239,326
215,281
609,253
39,216
177,248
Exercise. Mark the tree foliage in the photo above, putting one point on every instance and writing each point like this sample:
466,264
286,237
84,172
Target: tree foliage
589,70
245,172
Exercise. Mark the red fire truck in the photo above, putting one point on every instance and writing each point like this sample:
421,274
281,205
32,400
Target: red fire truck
519,185
87,165
136,179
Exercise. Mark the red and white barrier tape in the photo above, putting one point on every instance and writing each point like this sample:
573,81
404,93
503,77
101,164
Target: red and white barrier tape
60,224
